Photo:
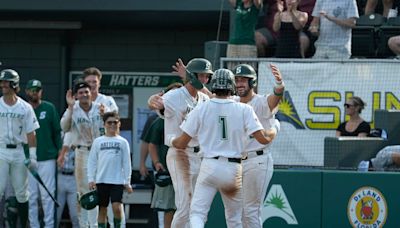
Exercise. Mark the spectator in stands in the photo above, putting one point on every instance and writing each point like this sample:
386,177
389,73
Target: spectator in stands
387,158
332,23
371,5
394,45
356,126
307,40
290,22
242,42
265,36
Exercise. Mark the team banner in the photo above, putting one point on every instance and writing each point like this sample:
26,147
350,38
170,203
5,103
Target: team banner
312,105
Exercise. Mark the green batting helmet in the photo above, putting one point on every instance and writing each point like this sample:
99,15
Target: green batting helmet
223,79
11,76
197,66
247,71
163,179
89,200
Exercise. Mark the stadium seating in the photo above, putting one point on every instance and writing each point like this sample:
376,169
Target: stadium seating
392,28
365,35
390,121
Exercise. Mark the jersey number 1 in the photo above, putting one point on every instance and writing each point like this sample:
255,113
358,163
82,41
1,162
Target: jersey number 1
222,123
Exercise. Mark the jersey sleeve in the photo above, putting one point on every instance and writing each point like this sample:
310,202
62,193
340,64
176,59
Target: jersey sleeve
251,121
67,141
170,103
126,165
31,122
92,162
112,104
191,125
56,128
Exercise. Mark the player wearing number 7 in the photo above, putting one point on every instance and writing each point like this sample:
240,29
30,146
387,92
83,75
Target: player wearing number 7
18,127
221,126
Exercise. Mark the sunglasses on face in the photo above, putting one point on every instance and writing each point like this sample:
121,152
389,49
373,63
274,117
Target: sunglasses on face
112,122
348,105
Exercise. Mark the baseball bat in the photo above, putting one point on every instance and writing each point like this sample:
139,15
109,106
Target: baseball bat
35,174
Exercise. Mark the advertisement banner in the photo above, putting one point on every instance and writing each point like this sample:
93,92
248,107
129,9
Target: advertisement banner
312,105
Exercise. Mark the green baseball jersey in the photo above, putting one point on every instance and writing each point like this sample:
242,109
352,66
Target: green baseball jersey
48,136
155,135
245,24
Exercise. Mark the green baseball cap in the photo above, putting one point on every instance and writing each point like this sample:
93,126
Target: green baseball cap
34,84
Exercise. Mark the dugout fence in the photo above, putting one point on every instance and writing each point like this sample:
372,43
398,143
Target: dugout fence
312,108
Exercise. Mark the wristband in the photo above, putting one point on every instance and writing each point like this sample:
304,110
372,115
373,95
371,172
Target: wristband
278,94
279,85
32,153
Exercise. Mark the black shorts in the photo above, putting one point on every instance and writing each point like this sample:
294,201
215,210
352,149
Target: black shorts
106,192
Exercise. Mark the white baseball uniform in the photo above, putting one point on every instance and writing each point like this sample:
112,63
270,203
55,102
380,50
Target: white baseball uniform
109,102
16,121
183,167
66,189
221,126
84,127
257,166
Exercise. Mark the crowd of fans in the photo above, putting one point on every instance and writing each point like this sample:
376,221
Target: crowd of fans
310,28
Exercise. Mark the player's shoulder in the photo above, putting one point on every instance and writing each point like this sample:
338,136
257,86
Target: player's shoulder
23,104
48,104
203,96
174,93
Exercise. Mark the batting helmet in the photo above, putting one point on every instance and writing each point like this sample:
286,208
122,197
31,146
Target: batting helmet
223,79
247,71
197,66
89,200
163,179
11,76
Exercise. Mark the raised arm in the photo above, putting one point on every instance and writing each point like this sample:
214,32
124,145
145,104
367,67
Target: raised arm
279,88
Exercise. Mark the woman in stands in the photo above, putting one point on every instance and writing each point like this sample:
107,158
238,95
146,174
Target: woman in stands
356,126
289,23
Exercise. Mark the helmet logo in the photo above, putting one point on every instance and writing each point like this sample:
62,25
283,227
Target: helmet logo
208,66
238,69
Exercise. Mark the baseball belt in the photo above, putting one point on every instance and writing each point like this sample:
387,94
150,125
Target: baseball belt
253,154
236,160
9,146
83,147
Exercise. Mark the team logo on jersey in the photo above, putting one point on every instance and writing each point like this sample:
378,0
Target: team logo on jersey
276,204
367,208
42,115
288,113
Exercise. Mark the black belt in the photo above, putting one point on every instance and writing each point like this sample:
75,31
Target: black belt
80,146
67,173
11,146
236,160
258,152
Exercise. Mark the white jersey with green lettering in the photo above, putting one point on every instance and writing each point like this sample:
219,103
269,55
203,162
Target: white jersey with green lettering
178,103
16,121
85,126
222,126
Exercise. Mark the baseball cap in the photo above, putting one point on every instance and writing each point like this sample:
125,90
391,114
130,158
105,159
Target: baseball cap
79,85
34,84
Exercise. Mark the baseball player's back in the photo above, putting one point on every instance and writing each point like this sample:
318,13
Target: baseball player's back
222,126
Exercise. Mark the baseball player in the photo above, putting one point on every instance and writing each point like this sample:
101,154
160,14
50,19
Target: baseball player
18,127
83,119
109,169
221,125
93,76
184,166
48,145
257,160
66,183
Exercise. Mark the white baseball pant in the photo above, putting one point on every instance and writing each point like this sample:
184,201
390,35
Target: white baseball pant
66,193
47,172
87,218
223,176
257,173
12,167
183,166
